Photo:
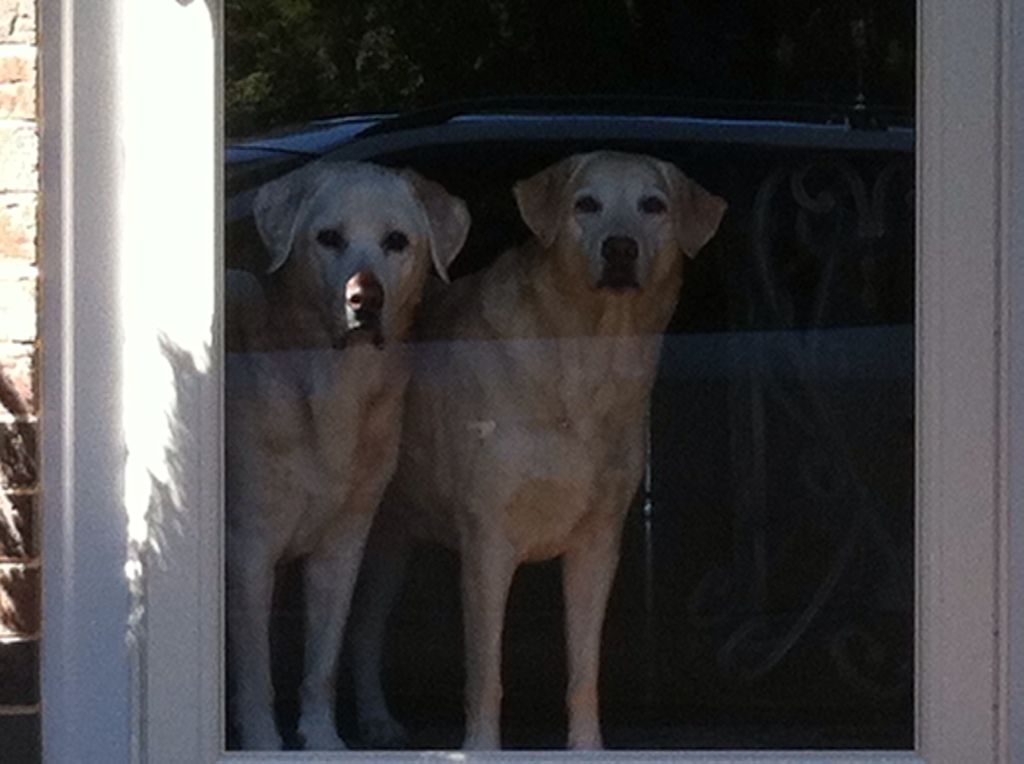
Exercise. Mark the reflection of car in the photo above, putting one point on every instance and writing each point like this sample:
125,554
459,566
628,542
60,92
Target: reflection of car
774,552
479,149
553,122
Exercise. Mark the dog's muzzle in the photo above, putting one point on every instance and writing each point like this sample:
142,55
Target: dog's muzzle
620,255
364,305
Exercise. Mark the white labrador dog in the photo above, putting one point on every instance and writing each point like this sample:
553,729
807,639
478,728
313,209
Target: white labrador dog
315,377
524,421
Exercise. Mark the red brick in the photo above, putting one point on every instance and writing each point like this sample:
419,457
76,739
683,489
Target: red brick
17,100
19,157
17,84
19,459
18,527
17,21
19,599
18,223
18,305
18,379
22,738
19,675
17,65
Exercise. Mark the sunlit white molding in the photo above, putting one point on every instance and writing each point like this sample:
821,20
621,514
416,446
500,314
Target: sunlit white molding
171,228
86,661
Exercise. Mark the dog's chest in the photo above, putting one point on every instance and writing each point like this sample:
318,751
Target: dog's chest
593,372
535,433
596,379
317,423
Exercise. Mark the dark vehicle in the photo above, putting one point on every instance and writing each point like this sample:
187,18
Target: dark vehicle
765,594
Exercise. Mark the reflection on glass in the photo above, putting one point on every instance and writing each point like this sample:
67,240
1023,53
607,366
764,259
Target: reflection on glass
626,391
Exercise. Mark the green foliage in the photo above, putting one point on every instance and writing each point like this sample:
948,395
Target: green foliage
289,61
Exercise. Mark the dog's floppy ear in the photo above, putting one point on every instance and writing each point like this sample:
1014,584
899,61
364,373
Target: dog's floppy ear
698,212
541,199
447,220
276,210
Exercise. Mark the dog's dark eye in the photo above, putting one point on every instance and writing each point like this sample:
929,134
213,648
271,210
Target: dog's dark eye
395,241
588,205
653,205
330,238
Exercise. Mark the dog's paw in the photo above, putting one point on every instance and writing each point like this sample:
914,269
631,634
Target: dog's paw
590,743
254,726
320,736
259,738
383,733
322,741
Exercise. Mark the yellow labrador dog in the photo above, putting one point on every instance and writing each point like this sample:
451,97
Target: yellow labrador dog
524,421
315,378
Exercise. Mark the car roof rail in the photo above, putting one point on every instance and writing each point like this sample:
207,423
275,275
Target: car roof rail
856,116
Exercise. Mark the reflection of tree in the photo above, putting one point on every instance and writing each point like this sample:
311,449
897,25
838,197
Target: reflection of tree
291,60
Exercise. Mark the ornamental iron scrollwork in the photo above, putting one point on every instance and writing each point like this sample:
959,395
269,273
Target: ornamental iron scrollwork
831,247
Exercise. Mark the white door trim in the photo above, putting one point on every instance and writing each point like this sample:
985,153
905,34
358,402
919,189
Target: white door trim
125,229
86,662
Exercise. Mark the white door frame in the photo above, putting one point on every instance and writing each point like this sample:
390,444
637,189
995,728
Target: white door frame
131,386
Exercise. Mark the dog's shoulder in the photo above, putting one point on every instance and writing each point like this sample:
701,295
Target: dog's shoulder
488,304
245,309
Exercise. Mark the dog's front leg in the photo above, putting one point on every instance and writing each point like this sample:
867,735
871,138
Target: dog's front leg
250,582
330,576
488,564
588,569
384,564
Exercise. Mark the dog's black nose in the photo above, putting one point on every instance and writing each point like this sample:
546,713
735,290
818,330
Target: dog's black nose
364,294
620,254
620,251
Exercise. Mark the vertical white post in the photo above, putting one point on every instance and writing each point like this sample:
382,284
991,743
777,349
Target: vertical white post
962,308
86,674
131,437
170,223
1011,598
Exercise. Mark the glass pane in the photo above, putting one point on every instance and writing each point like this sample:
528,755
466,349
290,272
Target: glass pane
731,396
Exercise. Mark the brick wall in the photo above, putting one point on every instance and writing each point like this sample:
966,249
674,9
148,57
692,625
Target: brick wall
19,353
